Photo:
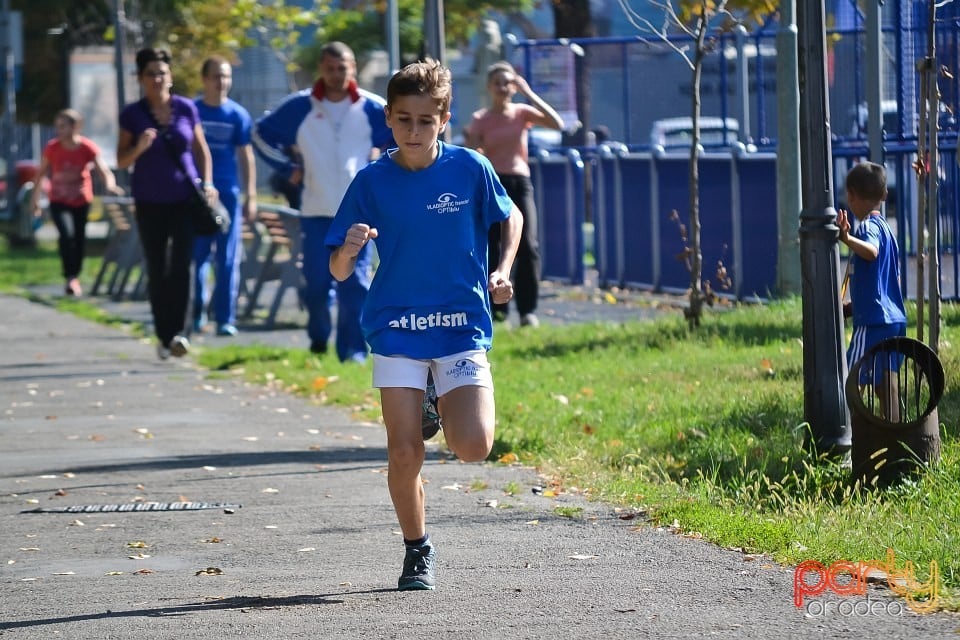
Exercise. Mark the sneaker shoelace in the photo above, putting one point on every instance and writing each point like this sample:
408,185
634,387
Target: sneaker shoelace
418,561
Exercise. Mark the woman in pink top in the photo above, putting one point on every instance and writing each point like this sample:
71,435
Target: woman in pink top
68,159
500,133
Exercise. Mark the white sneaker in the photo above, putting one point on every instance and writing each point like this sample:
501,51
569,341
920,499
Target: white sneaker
162,352
529,320
179,346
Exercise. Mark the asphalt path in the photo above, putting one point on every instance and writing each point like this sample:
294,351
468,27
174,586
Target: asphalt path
307,544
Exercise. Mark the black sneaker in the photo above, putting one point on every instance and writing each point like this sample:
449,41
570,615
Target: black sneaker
430,417
418,569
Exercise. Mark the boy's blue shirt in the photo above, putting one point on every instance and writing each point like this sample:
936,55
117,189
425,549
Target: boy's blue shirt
429,295
875,284
225,127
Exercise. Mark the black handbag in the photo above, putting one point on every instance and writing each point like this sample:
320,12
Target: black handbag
207,220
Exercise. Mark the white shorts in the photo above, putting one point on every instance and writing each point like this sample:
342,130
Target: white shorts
467,368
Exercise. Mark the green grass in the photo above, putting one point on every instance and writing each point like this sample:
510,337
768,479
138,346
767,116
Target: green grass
701,430
24,266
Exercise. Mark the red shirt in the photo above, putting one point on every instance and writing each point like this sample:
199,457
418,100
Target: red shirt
70,180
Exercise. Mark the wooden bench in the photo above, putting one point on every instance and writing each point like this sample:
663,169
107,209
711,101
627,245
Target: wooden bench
122,254
272,253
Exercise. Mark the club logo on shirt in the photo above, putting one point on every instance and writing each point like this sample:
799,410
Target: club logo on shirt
448,203
436,320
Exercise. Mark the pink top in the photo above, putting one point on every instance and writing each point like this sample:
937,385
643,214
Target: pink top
503,137
70,180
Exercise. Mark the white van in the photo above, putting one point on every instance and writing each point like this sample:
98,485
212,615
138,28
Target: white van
677,133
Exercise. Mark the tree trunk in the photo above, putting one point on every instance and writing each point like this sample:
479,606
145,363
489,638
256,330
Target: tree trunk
695,310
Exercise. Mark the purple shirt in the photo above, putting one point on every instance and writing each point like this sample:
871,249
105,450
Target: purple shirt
157,177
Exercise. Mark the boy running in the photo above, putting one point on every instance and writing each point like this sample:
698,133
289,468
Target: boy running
429,206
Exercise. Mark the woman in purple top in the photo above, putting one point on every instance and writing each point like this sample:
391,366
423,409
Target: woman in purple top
161,137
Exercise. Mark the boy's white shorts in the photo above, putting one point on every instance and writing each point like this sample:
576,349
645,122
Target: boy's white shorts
467,368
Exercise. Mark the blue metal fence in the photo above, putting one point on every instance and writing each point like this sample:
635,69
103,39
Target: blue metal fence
633,190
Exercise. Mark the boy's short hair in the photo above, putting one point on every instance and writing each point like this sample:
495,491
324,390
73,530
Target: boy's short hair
868,180
425,78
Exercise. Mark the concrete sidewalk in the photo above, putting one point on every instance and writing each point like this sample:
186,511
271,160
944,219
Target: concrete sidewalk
91,417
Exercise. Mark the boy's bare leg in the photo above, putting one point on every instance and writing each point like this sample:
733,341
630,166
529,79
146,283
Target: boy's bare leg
888,392
468,421
405,454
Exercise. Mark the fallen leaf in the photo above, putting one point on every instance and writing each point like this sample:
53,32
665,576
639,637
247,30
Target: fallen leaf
77,523
29,548
65,573
492,504
250,438
60,492
270,490
532,522
581,556
210,571
453,487
306,549
508,458
114,573
143,571
139,556
138,544
213,540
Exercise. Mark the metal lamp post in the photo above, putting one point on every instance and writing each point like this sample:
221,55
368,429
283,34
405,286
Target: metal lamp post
824,361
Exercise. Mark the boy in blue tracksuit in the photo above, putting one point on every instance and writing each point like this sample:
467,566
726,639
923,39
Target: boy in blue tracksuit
878,311
226,126
337,128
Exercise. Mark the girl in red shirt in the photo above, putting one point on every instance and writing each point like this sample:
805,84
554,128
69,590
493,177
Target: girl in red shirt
67,159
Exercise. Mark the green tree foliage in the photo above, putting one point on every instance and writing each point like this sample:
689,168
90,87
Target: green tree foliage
362,25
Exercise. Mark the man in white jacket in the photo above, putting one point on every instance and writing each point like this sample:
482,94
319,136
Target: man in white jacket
337,129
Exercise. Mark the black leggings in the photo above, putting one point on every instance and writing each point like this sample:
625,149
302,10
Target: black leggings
71,223
526,267
166,235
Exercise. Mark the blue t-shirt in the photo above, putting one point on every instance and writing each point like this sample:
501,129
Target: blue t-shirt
157,176
429,295
225,127
875,284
